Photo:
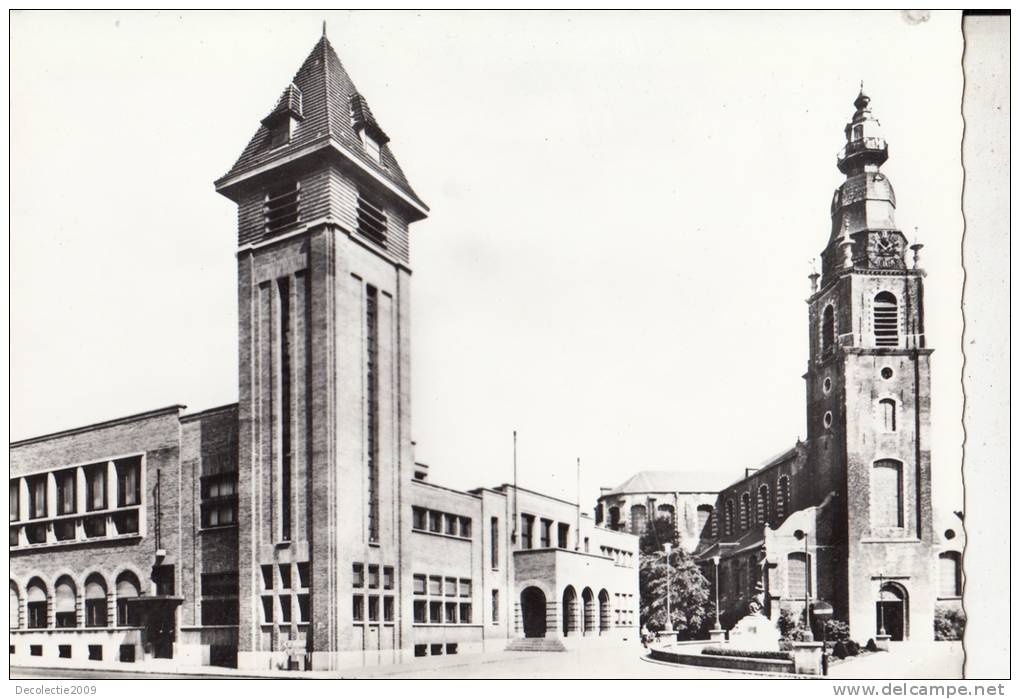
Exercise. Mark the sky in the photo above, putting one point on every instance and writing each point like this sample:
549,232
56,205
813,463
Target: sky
624,211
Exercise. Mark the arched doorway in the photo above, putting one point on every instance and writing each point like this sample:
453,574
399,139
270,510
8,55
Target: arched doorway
891,611
533,612
569,611
603,612
588,600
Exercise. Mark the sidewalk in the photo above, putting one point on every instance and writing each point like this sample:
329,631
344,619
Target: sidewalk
920,659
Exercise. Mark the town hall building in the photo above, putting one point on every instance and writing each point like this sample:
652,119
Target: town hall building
294,529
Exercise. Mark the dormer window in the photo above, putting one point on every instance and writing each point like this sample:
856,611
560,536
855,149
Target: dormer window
371,219
282,207
283,120
371,146
280,132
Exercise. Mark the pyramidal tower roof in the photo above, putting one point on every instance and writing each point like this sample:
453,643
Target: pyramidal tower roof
328,109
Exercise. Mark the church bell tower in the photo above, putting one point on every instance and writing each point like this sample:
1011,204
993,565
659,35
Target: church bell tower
868,395
324,385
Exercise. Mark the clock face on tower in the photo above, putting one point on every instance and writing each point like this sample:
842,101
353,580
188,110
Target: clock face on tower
885,250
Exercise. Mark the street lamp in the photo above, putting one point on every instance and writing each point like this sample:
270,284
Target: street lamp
715,562
668,627
808,636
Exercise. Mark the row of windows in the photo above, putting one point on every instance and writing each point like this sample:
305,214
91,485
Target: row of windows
424,520
545,534
432,604
96,480
65,607
766,510
359,613
279,608
219,500
623,609
358,576
621,558
281,576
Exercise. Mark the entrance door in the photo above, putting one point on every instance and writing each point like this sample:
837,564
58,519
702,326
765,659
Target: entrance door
891,611
533,612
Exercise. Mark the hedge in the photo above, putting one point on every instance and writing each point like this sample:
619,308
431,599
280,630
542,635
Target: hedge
736,653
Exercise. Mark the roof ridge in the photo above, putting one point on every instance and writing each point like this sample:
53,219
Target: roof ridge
325,76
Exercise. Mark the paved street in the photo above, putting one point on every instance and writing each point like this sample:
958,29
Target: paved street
906,660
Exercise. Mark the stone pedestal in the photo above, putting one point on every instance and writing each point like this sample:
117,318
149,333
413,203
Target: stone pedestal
754,632
807,657
882,641
717,635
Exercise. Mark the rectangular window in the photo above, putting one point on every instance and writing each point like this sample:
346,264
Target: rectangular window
373,608
66,480
267,577
451,649
465,527
419,584
37,615
435,521
219,500
129,486
419,612
419,516
495,606
436,648
373,576
95,487
371,219
465,587
267,609
358,608
372,405
436,612
435,585
303,575
285,576
451,524
358,575
451,587
304,611
219,584
563,535
285,342
546,541
494,542
465,612
527,527
37,497
387,577
219,612
15,510
282,207
387,609
421,650
451,612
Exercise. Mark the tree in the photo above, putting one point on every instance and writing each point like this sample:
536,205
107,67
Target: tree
690,593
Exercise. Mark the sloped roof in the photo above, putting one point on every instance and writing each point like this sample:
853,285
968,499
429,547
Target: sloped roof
671,482
326,93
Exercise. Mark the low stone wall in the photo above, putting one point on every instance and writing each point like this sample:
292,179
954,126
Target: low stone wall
725,662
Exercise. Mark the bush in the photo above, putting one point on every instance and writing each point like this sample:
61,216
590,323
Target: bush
872,647
853,648
791,626
839,650
949,624
735,653
836,630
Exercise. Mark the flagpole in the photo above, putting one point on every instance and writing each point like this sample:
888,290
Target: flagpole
513,536
577,545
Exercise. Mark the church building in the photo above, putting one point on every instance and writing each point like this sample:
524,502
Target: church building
294,529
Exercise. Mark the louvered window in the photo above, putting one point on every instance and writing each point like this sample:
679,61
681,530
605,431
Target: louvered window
282,207
949,574
887,330
887,494
371,219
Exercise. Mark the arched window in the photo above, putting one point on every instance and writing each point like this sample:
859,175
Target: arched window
886,320
638,517
65,603
797,575
95,600
38,605
728,524
828,329
949,574
887,414
15,607
704,517
127,588
763,504
614,518
745,511
783,497
668,512
887,494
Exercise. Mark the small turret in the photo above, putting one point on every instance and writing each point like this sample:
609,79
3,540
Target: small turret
865,148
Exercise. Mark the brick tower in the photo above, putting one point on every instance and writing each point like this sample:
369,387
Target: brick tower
868,389
324,395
